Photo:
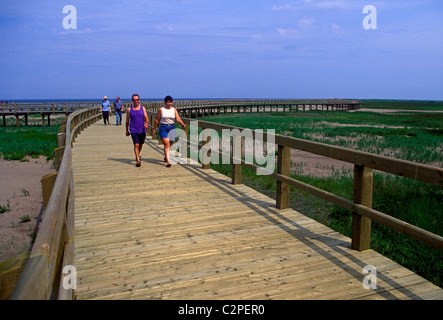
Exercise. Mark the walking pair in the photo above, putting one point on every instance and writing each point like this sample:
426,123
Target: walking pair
137,123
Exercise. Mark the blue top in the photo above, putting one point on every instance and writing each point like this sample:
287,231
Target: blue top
118,104
105,106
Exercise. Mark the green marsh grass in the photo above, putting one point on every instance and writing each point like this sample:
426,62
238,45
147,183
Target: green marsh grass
416,137
19,142
429,105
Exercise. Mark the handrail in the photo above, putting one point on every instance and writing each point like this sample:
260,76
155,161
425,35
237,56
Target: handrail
45,107
189,106
53,246
364,164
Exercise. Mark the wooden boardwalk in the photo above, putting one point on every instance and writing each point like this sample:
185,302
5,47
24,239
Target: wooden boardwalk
187,233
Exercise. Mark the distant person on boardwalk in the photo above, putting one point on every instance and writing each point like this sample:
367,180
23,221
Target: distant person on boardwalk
136,125
105,109
166,117
118,105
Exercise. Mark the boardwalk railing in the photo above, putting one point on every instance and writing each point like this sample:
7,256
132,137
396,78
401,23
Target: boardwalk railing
42,108
199,108
22,111
364,165
53,248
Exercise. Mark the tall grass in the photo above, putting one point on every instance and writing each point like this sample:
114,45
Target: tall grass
409,137
19,142
402,104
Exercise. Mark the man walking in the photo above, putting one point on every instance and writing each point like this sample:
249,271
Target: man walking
118,105
136,125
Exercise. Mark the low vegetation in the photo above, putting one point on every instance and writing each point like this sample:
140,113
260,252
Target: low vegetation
34,141
416,137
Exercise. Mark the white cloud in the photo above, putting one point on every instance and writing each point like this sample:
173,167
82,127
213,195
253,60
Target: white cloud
305,23
283,7
338,4
291,33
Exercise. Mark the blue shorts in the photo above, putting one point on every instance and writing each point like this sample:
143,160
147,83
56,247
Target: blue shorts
167,131
138,138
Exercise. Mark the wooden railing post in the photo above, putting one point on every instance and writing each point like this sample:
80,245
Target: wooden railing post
283,167
206,155
237,146
184,147
361,226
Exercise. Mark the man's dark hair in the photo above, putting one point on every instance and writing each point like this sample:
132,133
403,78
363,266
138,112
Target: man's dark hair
135,94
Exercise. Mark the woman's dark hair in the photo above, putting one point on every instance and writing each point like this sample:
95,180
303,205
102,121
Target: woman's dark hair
168,98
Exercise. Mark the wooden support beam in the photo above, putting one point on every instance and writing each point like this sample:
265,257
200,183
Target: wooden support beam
206,155
48,182
361,226
61,139
58,153
283,167
237,146
10,271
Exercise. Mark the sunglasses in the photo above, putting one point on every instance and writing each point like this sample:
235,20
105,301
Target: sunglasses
135,99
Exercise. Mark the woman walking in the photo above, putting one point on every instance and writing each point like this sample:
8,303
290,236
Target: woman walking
166,117
136,125
105,109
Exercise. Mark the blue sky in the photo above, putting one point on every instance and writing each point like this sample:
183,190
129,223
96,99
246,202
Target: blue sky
221,49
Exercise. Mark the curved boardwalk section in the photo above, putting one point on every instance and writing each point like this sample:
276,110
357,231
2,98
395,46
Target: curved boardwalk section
187,233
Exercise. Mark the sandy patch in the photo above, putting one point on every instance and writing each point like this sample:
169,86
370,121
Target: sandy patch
305,163
20,188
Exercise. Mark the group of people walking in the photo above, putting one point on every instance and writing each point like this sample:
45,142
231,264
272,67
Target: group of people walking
137,123
105,109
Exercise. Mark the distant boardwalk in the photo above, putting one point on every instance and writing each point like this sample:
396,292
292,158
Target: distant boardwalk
187,108
22,111
188,233
199,108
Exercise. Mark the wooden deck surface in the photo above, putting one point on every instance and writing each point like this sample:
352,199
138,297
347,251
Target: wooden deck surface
187,233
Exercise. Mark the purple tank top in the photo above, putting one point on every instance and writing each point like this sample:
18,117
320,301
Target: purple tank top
136,121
